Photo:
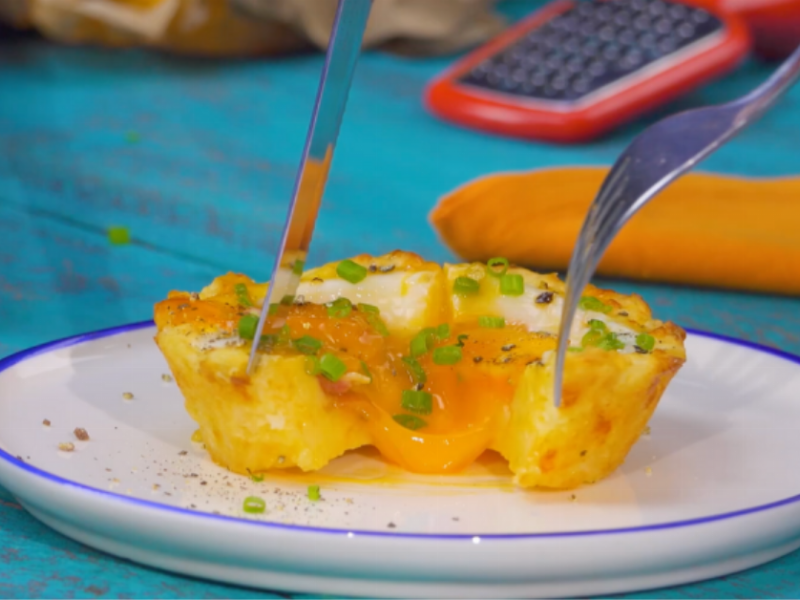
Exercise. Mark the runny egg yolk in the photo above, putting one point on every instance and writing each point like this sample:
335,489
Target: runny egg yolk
467,398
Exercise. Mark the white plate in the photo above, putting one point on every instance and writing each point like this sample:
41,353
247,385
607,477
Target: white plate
713,489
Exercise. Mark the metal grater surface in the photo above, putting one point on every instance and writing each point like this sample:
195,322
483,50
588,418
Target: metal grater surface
591,46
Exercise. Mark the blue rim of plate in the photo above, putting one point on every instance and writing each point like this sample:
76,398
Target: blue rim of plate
9,361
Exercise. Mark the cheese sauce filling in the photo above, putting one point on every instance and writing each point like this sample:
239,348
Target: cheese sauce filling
432,407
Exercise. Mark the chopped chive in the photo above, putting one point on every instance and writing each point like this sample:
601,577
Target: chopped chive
461,339
490,322
377,324
332,367
443,331
610,342
257,477
592,303
512,284
268,340
574,349
132,137
313,493
597,325
254,504
369,308
340,308
284,337
366,370
466,286
493,263
297,267
313,366
273,309
287,300
350,271
242,295
417,401
416,370
247,327
447,355
307,344
411,422
422,342
645,341
119,236
592,338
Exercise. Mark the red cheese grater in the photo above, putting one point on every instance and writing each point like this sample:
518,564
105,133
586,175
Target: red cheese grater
575,70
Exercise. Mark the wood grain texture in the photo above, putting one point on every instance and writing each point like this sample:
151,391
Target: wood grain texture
205,189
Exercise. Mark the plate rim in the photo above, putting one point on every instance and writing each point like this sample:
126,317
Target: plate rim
10,361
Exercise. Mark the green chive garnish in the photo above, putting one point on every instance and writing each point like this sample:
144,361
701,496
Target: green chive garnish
645,341
366,370
592,303
574,349
461,339
411,422
340,308
332,367
273,309
242,295
307,345
313,493
416,370
512,284
313,366
257,477
350,271
284,337
247,327
610,342
491,322
597,325
497,267
592,338
369,308
287,300
447,355
297,267
443,331
422,342
254,504
417,401
466,286
377,324
119,236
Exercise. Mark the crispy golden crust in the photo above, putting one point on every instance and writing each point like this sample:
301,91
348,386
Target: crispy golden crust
280,417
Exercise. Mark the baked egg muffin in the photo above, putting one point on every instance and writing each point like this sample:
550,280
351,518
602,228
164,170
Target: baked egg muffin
431,365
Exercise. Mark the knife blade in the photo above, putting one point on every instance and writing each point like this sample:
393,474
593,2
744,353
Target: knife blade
334,87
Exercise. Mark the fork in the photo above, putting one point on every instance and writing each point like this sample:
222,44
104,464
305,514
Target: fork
656,157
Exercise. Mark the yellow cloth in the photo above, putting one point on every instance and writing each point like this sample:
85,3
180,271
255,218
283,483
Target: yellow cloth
705,229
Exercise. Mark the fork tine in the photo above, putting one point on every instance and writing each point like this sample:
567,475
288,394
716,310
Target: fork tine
589,247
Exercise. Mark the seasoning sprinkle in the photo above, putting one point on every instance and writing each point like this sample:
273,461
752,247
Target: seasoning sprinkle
387,268
477,359
508,347
544,298
46,422
66,446
127,396
166,377
81,434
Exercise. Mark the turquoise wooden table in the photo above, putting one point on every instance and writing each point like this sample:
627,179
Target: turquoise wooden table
197,159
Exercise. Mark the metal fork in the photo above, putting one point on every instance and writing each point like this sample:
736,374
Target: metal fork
656,158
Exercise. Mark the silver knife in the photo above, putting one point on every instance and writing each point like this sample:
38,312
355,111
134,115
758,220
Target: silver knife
337,75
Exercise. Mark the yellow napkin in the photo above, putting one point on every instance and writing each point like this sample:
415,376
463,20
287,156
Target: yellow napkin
705,229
